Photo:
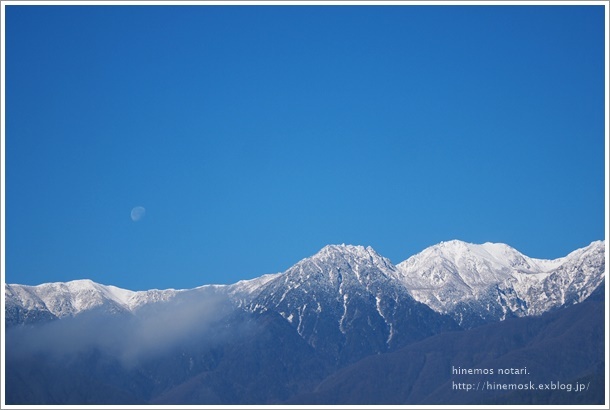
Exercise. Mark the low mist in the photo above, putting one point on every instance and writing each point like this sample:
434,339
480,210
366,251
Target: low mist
195,316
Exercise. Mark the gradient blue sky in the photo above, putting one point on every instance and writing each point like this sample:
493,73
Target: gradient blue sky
254,136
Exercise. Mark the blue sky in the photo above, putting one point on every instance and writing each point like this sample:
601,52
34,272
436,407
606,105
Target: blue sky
254,136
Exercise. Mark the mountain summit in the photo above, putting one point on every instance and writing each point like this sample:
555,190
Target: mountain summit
478,283
348,297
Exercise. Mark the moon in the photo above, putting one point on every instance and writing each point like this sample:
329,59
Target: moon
138,213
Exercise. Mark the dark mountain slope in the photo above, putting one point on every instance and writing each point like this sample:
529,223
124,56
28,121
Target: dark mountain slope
562,346
241,358
269,364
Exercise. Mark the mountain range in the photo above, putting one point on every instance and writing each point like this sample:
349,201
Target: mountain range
287,337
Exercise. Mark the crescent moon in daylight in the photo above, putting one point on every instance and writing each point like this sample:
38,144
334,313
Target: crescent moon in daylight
137,213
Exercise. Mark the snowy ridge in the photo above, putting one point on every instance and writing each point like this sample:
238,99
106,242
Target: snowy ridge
343,285
494,281
245,289
69,299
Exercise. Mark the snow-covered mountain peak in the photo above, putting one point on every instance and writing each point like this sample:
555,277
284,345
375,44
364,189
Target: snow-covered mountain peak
86,288
451,276
350,254
343,249
475,264
70,298
456,249
336,291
